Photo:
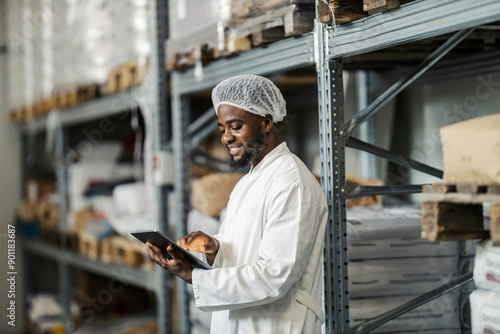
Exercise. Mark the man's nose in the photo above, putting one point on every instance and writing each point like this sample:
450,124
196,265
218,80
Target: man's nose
227,138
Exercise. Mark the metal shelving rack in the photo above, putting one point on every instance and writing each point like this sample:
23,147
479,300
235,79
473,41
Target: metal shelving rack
151,95
325,48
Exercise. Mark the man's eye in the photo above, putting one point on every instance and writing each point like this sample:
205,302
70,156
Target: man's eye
236,128
221,131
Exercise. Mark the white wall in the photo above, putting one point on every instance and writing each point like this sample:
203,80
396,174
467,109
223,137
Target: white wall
10,191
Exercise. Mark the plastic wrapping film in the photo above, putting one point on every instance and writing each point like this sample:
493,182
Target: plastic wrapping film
20,55
397,277
82,43
129,33
380,232
55,46
42,49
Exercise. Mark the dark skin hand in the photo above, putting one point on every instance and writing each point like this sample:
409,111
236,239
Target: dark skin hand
177,265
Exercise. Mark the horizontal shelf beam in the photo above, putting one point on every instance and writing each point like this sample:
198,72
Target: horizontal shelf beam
121,273
414,21
292,52
99,108
355,191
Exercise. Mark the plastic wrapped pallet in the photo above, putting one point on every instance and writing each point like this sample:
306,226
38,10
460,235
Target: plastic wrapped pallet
82,43
487,266
397,277
485,311
42,49
129,33
376,233
20,55
470,151
439,314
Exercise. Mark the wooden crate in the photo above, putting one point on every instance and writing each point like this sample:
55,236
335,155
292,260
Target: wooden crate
455,211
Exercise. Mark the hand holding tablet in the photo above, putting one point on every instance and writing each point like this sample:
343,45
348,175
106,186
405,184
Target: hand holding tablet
162,242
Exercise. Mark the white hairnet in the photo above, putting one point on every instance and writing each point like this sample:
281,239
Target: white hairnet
252,93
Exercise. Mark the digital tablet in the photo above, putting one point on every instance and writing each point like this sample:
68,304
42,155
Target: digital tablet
162,242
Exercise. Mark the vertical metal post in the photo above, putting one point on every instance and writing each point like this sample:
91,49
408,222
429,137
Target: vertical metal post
164,135
331,114
156,88
64,276
180,117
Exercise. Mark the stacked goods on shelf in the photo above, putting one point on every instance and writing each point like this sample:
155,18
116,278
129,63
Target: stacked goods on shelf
389,264
454,210
106,204
485,300
39,211
203,30
74,51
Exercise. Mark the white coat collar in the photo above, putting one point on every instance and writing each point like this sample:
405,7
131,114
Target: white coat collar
270,157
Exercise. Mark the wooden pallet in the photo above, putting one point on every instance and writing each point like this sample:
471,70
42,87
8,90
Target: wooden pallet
124,77
455,212
75,96
44,106
376,6
346,11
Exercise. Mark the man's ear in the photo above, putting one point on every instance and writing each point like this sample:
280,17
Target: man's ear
268,123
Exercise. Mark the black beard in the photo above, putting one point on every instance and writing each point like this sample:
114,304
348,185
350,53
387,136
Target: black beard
254,148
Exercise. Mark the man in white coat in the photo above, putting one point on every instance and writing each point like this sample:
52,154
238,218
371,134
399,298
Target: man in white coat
267,258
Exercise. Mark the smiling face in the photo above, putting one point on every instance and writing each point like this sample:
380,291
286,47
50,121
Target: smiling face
244,134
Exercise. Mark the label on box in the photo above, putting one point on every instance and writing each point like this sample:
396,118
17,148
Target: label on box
490,320
487,266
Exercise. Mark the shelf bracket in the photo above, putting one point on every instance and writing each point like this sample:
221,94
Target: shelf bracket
356,121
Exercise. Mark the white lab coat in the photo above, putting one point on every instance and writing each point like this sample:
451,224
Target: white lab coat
268,271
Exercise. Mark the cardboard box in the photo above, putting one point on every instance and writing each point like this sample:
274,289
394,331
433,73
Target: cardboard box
210,193
471,151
